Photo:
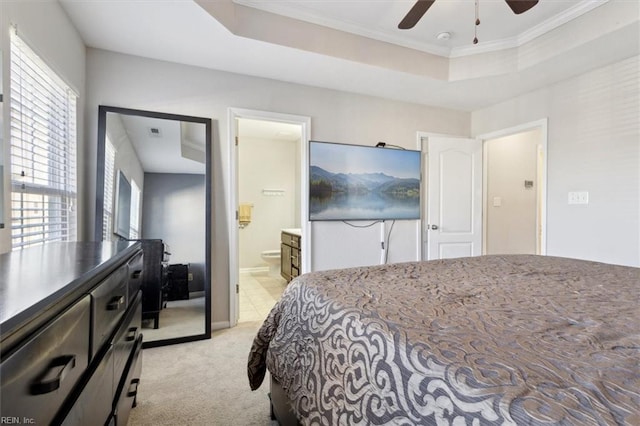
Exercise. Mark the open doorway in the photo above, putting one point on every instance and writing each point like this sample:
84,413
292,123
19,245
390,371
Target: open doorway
268,165
269,201
514,190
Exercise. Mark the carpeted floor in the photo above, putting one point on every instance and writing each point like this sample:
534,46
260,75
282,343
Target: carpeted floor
202,383
178,318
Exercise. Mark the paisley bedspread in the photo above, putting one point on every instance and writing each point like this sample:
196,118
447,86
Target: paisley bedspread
526,340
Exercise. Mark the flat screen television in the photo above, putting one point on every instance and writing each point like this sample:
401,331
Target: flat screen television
356,182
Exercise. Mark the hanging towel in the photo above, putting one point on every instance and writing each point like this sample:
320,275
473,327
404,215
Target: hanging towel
244,212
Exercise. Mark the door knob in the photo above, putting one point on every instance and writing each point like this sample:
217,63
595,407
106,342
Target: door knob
434,227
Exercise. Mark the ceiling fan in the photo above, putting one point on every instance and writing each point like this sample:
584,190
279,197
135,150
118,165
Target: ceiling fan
421,7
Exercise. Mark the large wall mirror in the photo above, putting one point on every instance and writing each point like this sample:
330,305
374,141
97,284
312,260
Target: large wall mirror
153,184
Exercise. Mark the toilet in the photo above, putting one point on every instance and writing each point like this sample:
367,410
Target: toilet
272,258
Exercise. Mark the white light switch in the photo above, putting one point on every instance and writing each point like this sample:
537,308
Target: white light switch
497,201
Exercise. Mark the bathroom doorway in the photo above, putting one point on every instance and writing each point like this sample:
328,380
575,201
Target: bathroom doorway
269,192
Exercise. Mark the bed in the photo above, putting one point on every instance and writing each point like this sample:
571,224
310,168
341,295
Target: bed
518,339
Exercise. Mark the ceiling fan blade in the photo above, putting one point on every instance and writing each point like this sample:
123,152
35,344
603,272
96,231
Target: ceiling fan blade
521,6
414,15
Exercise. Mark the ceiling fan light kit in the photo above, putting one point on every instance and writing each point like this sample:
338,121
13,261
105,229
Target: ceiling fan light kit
421,6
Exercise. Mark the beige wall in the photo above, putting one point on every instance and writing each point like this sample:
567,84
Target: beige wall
593,145
266,164
511,207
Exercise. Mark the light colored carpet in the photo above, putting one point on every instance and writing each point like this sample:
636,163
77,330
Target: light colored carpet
179,318
202,383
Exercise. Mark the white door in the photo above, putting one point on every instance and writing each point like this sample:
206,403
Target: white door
454,198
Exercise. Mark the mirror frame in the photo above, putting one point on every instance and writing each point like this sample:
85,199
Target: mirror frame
102,131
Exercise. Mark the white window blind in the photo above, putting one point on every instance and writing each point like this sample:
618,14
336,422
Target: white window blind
43,151
109,179
134,231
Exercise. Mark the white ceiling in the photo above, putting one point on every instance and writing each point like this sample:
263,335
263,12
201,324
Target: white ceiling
170,140
378,19
555,40
271,130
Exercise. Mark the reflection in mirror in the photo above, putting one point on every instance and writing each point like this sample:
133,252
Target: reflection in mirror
153,184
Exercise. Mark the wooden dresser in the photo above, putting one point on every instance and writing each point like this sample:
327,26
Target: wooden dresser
290,254
70,321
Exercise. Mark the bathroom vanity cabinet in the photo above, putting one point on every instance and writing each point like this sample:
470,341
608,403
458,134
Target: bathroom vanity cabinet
290,254
70,320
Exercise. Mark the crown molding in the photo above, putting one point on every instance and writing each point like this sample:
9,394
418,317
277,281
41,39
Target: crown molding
304,14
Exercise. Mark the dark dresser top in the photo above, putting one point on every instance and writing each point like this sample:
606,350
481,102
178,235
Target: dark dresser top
38,282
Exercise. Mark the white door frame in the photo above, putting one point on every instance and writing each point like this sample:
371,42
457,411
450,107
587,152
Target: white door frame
232,222
541,216
542,124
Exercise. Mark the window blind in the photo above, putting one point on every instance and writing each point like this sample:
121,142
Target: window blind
109,179
43,151
134,231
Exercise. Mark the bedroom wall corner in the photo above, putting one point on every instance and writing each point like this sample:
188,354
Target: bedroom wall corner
593,134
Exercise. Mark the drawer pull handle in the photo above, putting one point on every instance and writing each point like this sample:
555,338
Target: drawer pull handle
136,274
51,380
132,333
133,388
115,303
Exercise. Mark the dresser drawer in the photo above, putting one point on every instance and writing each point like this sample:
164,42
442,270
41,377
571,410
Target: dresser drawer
128,388
134,275
40,375
295,241
108,305
93,406
127,335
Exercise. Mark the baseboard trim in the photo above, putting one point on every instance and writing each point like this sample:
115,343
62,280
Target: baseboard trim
254,269
219,325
